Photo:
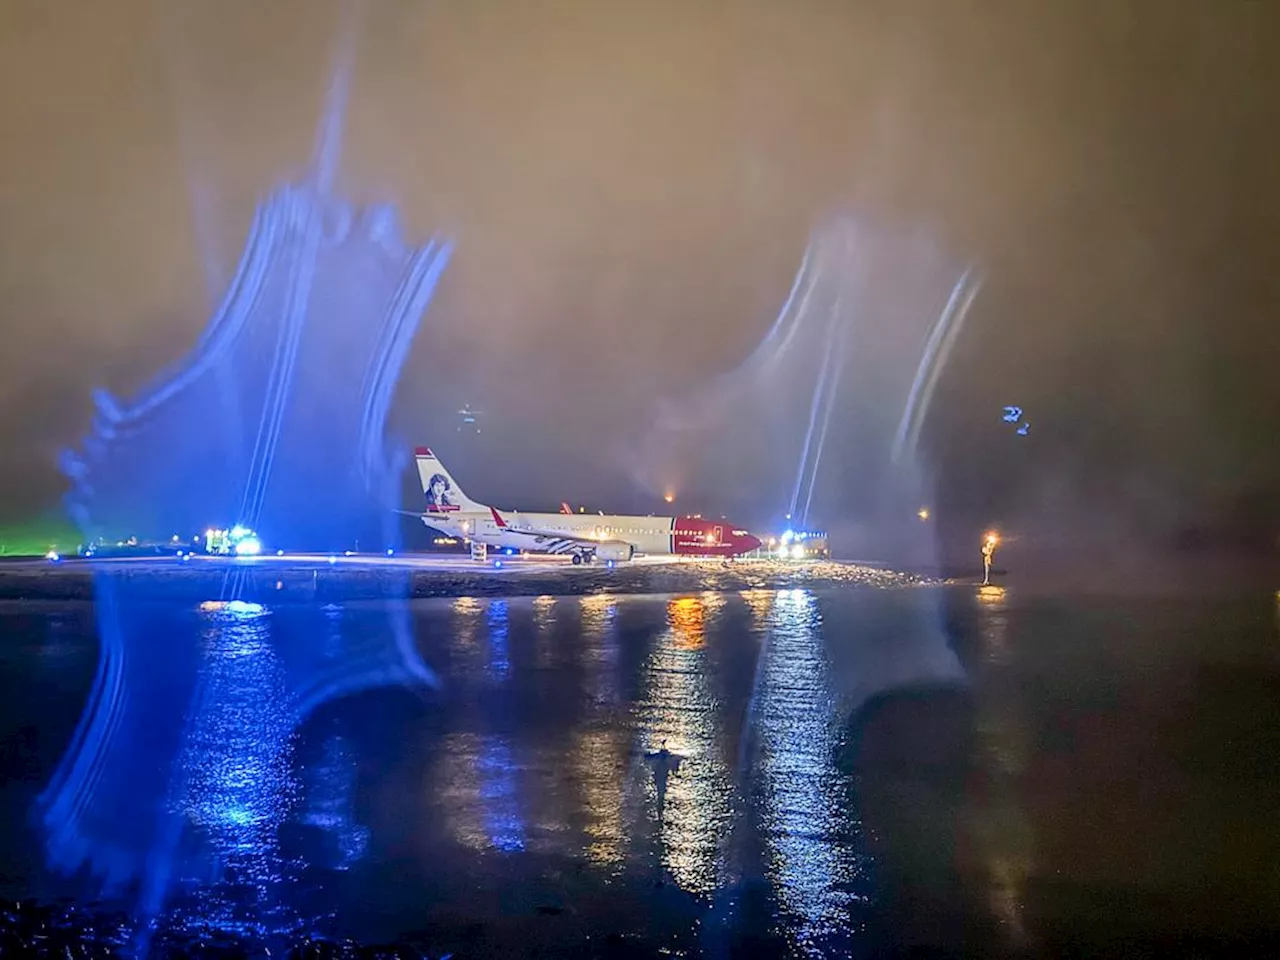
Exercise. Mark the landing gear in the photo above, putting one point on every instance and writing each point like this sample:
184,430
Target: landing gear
577,559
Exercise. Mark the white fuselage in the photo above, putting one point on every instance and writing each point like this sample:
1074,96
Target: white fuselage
586,536
536,532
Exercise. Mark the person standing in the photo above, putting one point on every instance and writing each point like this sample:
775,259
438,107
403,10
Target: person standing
988,554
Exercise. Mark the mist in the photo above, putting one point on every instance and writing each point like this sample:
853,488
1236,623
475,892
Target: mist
631,190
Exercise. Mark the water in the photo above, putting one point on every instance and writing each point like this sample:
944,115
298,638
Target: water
1036,776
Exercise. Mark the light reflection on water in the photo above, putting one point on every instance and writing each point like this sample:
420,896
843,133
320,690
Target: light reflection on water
238,783
599,625
811,859
534,746
499,666
678,711
328,790
478,776
544,619
601,744
1002,830
598,763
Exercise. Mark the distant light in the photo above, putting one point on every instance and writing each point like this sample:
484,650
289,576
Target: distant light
609,564
788,536
788,516
710,538
185,557
176,538
509,551
797,551
238,607
497,563
249,547
332,558
52,556
390,552
670,498
279,553
239,531
923,513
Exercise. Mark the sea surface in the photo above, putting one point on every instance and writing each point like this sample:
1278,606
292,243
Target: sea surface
840,768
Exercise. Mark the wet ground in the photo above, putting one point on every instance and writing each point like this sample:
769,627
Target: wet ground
845,763
322,578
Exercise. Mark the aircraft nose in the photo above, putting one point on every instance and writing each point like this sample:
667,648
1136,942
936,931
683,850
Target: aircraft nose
750,543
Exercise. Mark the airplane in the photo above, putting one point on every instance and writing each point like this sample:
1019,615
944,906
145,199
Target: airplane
584,537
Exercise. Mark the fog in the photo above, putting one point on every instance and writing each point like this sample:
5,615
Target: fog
631,189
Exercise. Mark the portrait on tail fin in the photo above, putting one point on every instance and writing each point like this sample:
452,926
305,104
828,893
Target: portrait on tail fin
440,495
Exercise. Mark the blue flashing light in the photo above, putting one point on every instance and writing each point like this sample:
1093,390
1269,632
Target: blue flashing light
279,553
609,564
249,547
52,556
153,451
1012,414
497,563
185,557
390,552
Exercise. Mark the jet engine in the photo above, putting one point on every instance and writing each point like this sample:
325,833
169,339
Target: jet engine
615,551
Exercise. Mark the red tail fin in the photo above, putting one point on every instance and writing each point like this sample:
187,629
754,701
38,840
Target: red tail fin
565,508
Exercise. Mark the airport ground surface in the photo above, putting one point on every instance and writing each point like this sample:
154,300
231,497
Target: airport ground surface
304,577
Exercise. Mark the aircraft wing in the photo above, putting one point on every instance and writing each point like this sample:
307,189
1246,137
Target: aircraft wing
555,541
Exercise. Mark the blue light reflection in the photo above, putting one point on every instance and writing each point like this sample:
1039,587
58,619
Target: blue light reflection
814,869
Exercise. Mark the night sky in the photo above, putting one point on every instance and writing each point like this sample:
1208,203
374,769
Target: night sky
631,187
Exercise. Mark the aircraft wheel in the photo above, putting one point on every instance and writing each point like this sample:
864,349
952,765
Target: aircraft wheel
577,559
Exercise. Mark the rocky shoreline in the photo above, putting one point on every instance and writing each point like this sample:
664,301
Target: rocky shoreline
353,582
